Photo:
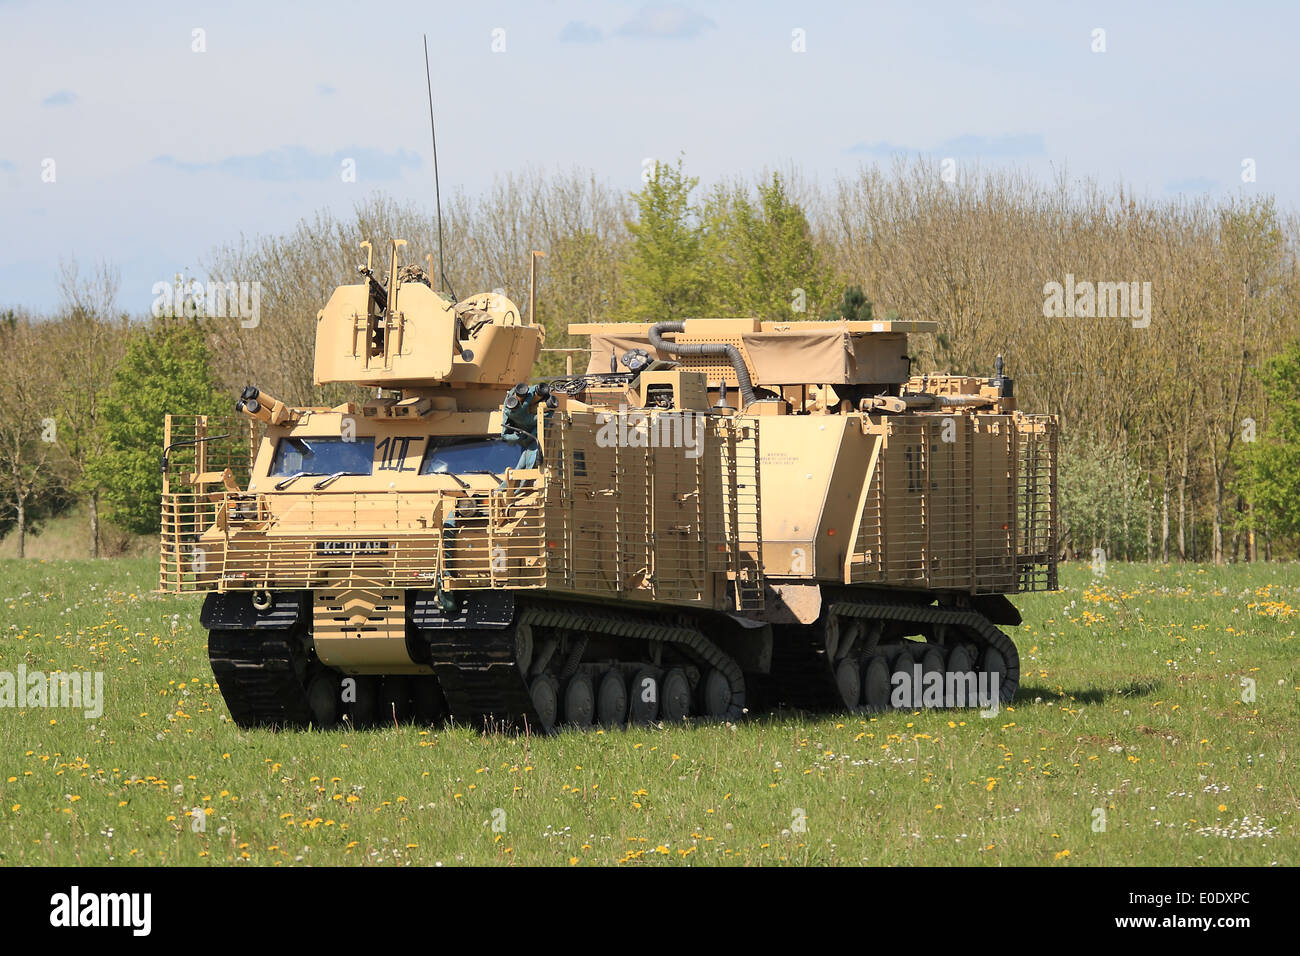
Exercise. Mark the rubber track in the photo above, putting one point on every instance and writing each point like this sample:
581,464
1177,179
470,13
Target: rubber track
694,643
478,675
975,624
481,680
806,677
258,679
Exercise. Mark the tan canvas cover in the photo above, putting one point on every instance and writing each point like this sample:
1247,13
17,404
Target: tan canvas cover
821,355
814,353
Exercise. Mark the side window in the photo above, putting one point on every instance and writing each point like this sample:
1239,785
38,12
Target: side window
467,456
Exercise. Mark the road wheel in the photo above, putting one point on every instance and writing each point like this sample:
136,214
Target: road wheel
676,703
611,700
546,701
875,683
323,698
643,697
715,694
849,678
579,701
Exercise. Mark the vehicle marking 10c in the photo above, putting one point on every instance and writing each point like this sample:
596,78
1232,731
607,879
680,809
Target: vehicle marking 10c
393,452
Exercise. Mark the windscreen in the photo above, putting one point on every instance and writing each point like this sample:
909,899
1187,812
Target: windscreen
466,455
323,456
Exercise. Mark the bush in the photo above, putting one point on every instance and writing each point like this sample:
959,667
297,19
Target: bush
166,368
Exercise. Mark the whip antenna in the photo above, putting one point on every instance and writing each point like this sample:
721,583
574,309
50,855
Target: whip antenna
437,193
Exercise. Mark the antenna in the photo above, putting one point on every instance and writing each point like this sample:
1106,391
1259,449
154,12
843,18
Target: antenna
437,193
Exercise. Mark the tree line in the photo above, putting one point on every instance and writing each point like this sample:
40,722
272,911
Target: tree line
1163,331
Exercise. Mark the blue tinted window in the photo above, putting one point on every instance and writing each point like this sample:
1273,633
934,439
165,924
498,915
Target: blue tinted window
464,455
323,456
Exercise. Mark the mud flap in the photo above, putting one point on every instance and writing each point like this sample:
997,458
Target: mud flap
234,611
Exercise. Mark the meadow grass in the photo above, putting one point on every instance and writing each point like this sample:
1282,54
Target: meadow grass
67,537
1130,743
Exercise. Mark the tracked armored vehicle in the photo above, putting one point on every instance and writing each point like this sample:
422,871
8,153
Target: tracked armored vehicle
716,516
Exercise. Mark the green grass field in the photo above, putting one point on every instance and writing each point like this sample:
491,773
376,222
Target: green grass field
1131,705
67,536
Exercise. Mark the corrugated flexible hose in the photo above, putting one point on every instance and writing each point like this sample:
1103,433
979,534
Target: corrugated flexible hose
732,353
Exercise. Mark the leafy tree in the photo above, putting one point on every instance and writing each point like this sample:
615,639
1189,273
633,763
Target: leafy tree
1269,474
166,368
852,307
1105,499
579,277
88,340
31,485
761,257
664,278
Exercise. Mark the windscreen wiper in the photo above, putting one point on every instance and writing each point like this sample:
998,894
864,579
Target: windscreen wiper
339,474
286,482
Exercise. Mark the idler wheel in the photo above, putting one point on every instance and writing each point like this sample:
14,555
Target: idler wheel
993,662
523,647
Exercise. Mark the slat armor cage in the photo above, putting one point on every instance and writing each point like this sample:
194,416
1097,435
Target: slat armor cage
962,502
628,507
651,506
603,517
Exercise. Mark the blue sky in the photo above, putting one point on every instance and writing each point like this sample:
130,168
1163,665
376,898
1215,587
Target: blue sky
161,153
